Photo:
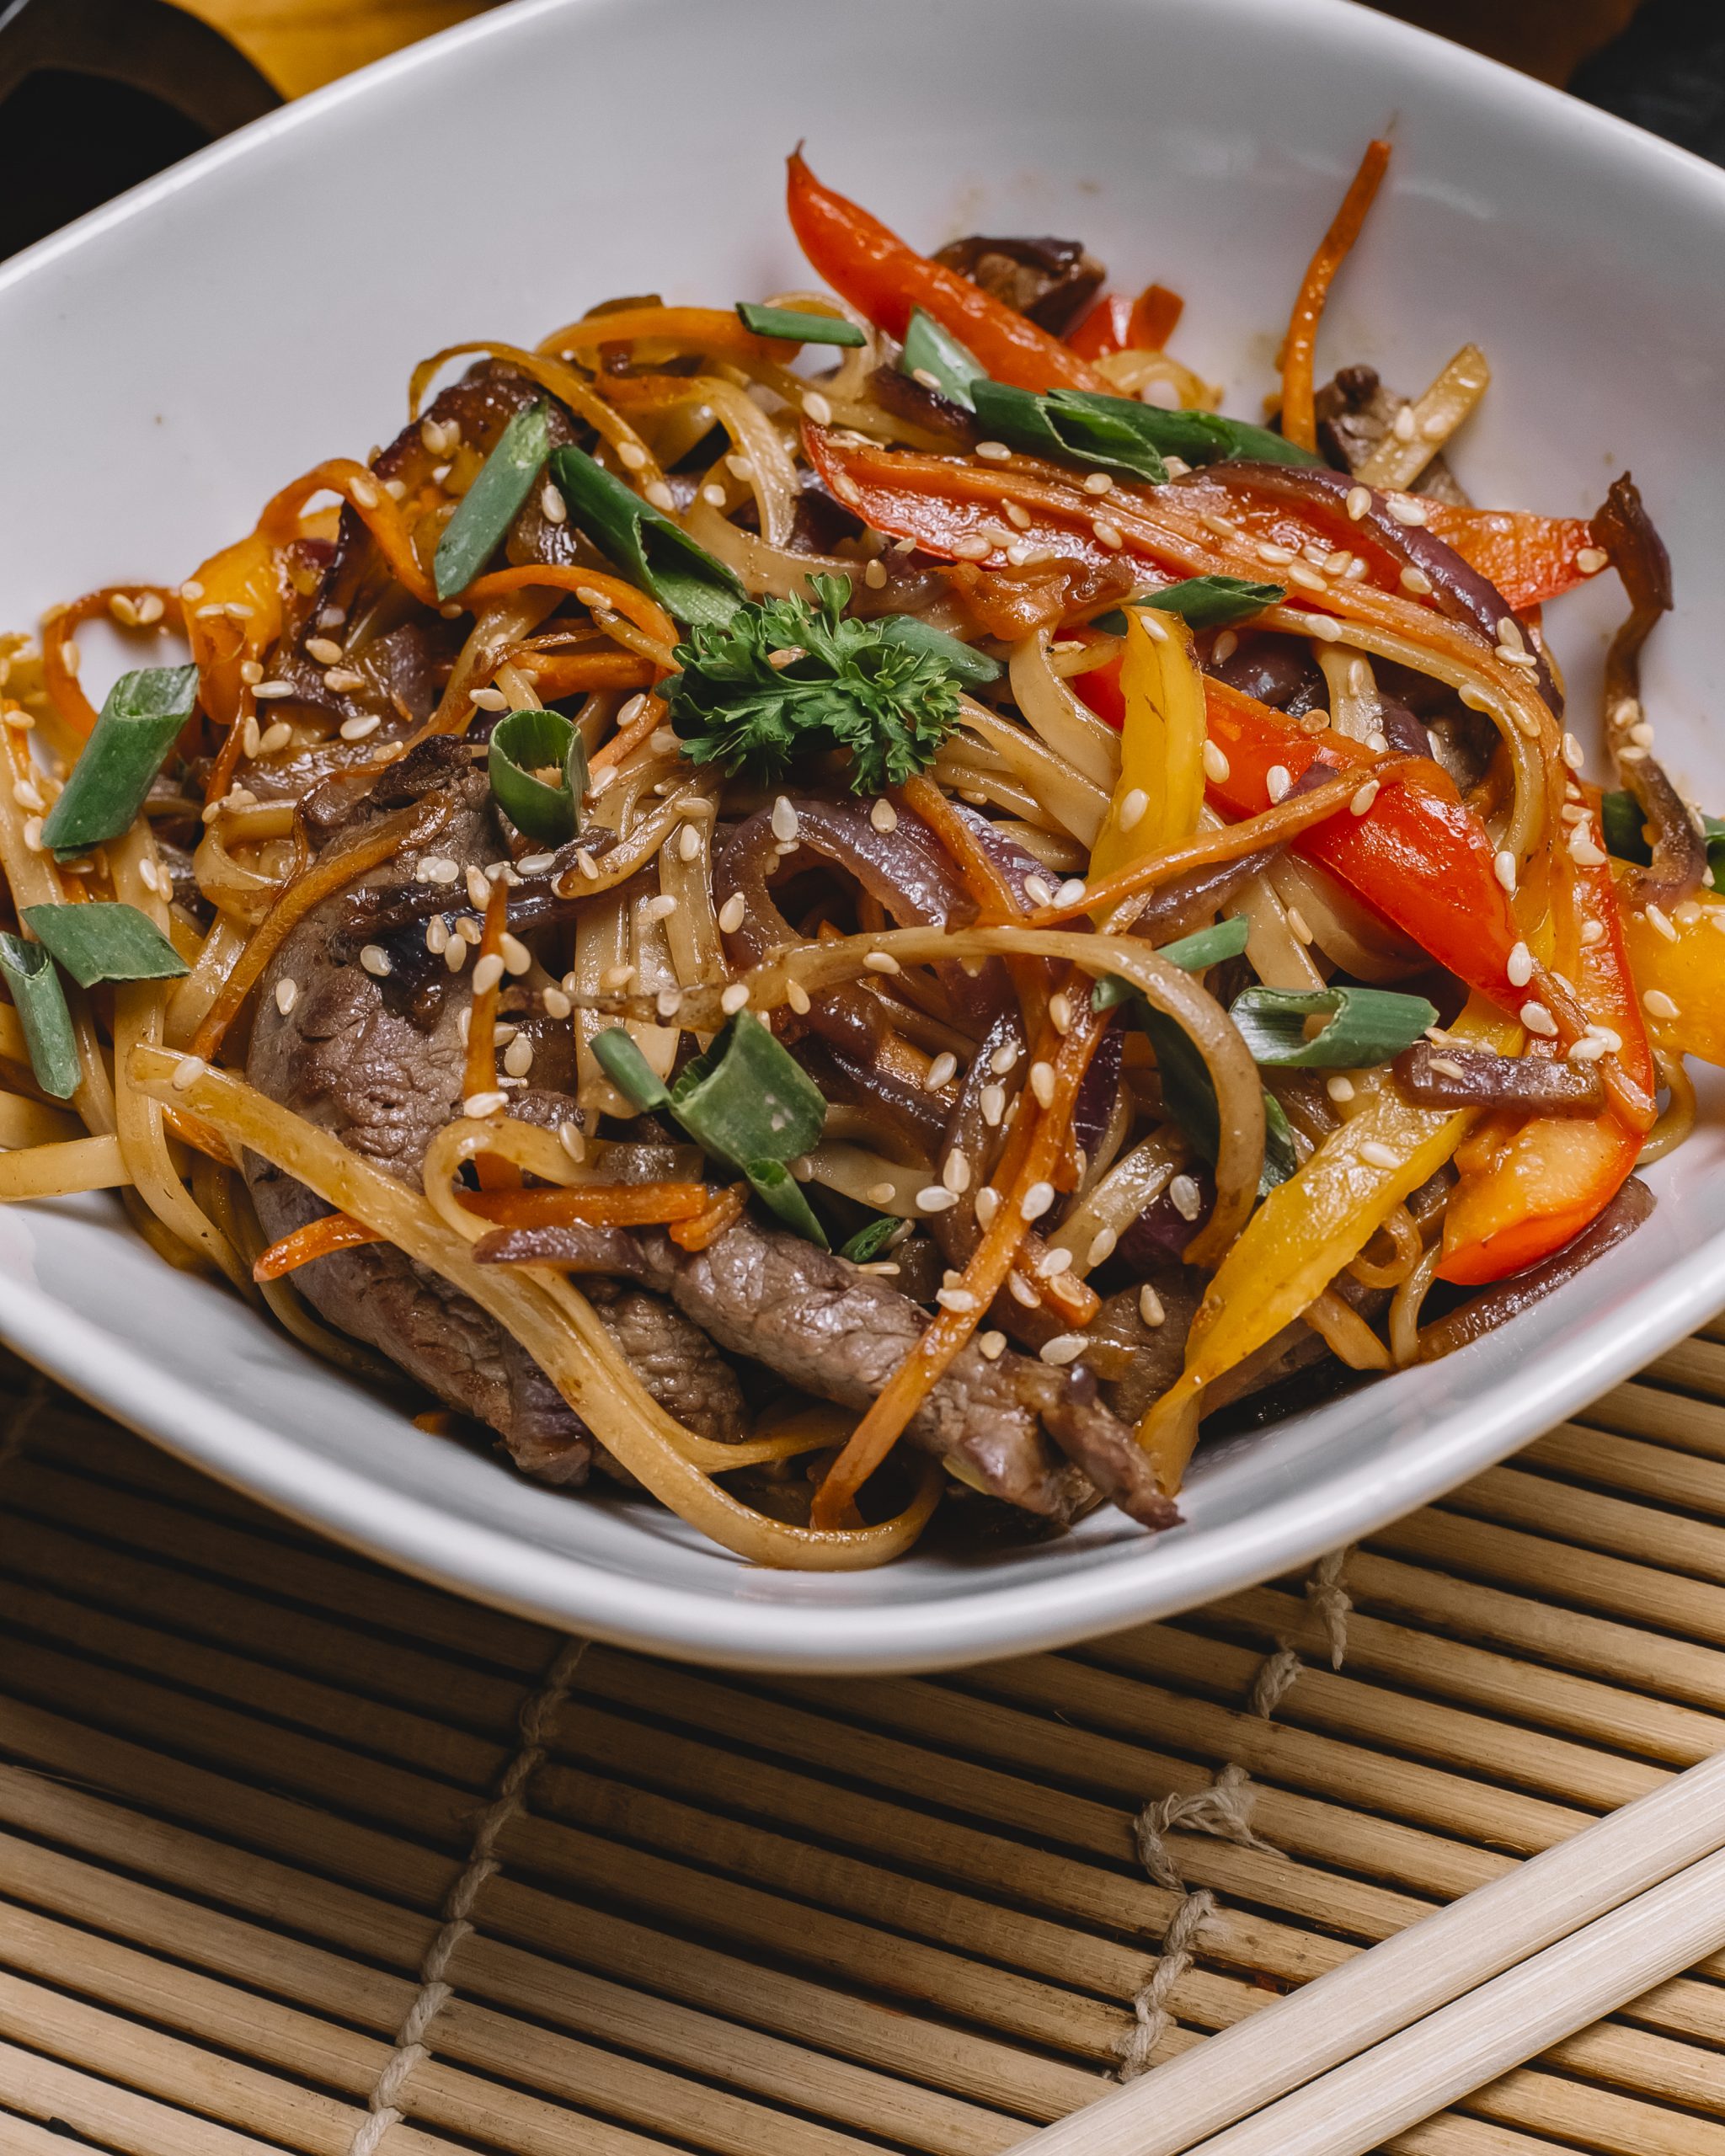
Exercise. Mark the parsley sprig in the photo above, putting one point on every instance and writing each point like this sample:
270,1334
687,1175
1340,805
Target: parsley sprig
891,699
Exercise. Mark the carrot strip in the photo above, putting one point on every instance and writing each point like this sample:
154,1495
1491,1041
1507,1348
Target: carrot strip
363,492
59,650
635,607
706,1228
559,674
1298,414
629,739
317,1239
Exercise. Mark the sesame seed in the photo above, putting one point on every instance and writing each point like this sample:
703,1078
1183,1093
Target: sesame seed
1416,581
1376,1154
881,962
1108,534
1024,1291
554,508
1588,1049
287,994
1036,1201
354,729
1065,1348
1582,850
784,820
1001,1061
874,575
1657,917
730,914
1402,425
1503,868
817,409
971,549
631,456
1519,968
26,796
1070,892
1612,1042
883,816
454,953
1590,560
487,973
993,1103
32,834
468,931
617,976
263,690
480,1107
660,496
659,907
191,589
798,997
375,960
324,649
1060,1013
960,1299
955,1173
926,378
1131,809
1539,1020
734,998
517,958
251,737
187,1072
1658,1005
992,1345
880,1194
363,492
1307,579
1150,1307
1631,753
667,1003
490,699
1278,779
936,1198
1186,1197
1054,1262
941,1071
1339,1088
1216,768
1405,509
275,739
1299,925
1323,628
1687,914
991,452
518,1056
1102,1247
1042,1083
1364,797
988,1203
1099,483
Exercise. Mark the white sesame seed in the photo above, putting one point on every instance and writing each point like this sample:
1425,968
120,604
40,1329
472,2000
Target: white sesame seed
325,650
554,508
1520,966
355,729
517,958
438,868
481,1107
1042,1083
1504,868
518,1056
1001,1061
1298,924
971,549
454,953
1405,509
817,409
469,932
187,1072
1658,1005
1039,891
1582,850
1150,1307
992,1345
1099,483
1402,425
490,699
874,575
883,816
1416,581
960,1299
1277,781
731,913
880,1194
798,997
1539,1020
660,496
1186,1197
363,492
287,994
24,793
881,962
32,834
263,690
1071,893
734,998
784,819
1572,752
926,378
1375,1154
191,589
1109,535
1065,1348
1588,1049
631,456
955,1172
251,736
991,452
1339,1088
1306,579
1216,768
1322,628
487,973
1590,560
1036,1201
614,977
1060,1013
667,1003
1268,551
1657,918
936,1198
1132,808
1363,799
992,1101
988,1203
375,960
659,907
1054,1262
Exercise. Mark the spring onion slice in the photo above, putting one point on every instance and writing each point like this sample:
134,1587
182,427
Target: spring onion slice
100,940
40,1003
747,1102
935,353
1202,602
524,743
139,723
1204,947
873,1241
797,328
487,509
1195,437
1091,433
1367,1026
657,553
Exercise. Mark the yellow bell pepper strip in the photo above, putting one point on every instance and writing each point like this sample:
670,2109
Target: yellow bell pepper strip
1161,786
233,617
875,270
1305,1231
1681,977
1530,1184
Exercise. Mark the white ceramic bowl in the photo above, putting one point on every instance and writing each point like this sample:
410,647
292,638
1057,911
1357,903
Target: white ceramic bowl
170,361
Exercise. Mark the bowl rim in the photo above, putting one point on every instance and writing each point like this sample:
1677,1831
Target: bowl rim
991,1619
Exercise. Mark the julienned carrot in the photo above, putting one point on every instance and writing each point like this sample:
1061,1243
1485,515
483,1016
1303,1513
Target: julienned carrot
707,1227
317,1239
873,269
1298,414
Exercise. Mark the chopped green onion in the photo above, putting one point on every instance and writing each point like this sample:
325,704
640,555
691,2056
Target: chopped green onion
643,542
139,723
523,744
1626,833
1093,432
1195,437
966,664
40,1003
797,328
1204,947
1202,602
747,1104
931,350
874,1241
487,509
100,940
1367,1026
621,1061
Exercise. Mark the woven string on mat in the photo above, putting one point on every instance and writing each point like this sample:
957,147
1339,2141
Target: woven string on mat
1224,1809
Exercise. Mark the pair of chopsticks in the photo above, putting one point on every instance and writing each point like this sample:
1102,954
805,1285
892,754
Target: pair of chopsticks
1383,2041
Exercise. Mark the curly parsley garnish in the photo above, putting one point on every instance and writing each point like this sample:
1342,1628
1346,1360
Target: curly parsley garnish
783,679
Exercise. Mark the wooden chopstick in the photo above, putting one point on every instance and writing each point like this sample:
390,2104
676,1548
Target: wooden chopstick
1666,1836
1464,2046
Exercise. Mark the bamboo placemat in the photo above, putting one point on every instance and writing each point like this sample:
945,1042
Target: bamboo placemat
298,1854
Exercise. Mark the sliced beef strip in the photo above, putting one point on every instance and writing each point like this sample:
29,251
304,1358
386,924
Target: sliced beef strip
819,1322
1051,281
353,1056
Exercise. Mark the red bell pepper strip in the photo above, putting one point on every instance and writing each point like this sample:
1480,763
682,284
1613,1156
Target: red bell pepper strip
1529,558
875,270
1117,324
1529,1184
1416,855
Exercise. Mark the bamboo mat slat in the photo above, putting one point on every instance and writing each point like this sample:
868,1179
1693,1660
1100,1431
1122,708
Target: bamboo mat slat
296,1855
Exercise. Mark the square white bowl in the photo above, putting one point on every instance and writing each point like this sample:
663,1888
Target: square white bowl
170,361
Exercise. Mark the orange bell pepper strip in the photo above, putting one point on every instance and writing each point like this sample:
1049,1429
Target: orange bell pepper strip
1529,1184
1416,855
1681,977
1529,558
1120,324
874,269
